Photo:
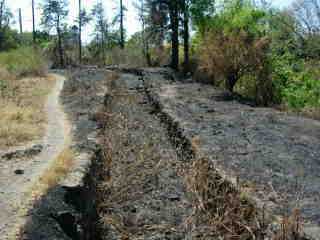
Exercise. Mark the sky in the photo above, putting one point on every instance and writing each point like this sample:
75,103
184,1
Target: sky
131,20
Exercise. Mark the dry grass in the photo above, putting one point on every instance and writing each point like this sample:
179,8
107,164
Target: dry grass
228,210
219,206
290,227
57,171
313,113
22,108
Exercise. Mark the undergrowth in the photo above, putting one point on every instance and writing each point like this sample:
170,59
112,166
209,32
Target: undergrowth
24,61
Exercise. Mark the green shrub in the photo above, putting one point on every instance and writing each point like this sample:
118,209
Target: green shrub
297,83
303,91
236,49
23,61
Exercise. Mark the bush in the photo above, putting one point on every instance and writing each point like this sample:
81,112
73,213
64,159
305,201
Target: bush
23,61
302,91
236,48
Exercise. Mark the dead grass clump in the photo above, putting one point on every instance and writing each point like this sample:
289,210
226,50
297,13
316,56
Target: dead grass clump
290,227
218,205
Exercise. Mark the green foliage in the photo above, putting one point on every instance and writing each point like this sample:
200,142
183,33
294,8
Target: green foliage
261,53
297,85
23,61
296,82
54,13
303,91
201,12
9,39
236,48
3,87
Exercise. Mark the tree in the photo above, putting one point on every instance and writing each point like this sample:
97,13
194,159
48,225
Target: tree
174,23
100,29
7,36
186,15
145,39
80,25
308,14
201,12
54,16
83,20
33,23
121,25
5,15
237,46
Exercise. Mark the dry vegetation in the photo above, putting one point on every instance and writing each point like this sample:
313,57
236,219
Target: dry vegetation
133,171
22,104
58,170
224,210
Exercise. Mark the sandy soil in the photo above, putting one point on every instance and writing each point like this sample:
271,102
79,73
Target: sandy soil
20,172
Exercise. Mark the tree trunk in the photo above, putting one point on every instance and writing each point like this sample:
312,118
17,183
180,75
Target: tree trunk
121,26
60,49
231,81
174,18
145,41
80,25
186,36
103,48
1,12
2,6
33,24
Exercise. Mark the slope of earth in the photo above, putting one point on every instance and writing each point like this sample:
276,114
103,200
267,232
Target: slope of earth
59,213
143,196
275,155
21,169
148,188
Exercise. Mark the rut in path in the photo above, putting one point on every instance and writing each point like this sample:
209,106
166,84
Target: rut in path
14,188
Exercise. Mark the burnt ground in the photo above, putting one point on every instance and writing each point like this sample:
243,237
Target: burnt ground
155,159
275,154
149,187
142,195
59,213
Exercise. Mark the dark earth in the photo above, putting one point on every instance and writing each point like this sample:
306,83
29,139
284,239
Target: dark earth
130,169
276,154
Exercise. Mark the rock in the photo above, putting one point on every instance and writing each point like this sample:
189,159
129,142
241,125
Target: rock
19,171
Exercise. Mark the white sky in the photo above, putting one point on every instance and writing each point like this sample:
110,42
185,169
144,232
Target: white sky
131,20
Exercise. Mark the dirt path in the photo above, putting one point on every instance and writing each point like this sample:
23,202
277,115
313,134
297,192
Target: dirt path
19,171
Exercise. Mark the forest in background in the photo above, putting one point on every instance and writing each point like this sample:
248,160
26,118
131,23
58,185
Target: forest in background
268,55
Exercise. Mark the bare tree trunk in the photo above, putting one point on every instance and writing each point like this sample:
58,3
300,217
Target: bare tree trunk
33,24
2,7
20,21
103,48
145,42
231,80
186,36
174,18
121,26
60,49
80,25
